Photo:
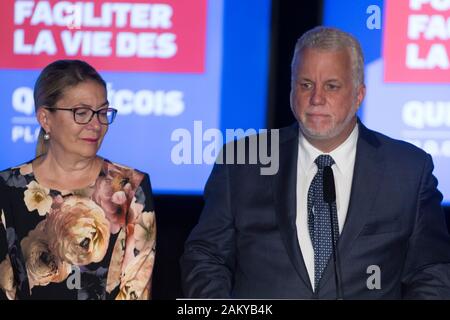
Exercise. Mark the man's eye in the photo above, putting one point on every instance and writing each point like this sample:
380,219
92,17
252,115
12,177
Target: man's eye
332,86
306,85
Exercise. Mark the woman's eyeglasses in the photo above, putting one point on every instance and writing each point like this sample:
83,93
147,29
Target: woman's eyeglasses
83,115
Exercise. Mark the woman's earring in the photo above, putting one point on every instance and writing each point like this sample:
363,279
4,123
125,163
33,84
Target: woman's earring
46,136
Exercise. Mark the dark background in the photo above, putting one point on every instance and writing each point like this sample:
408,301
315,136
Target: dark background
177,215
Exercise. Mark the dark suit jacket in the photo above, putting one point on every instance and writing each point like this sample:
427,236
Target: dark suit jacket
245,244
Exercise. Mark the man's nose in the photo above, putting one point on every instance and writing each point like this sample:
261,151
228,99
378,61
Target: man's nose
317,97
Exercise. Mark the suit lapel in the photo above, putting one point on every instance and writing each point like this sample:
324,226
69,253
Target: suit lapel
367,177
285,194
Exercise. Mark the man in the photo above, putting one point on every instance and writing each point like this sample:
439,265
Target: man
271,236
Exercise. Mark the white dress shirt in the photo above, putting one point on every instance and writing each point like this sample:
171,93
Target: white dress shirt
344,158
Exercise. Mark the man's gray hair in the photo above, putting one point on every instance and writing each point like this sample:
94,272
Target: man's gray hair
326,38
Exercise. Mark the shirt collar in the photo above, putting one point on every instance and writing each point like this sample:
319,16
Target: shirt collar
308,153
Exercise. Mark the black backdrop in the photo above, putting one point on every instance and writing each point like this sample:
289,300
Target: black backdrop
176,215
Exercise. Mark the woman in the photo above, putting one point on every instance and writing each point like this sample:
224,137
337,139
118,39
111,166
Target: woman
75,225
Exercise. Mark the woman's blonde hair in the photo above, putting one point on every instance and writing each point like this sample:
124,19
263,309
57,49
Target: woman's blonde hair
57,77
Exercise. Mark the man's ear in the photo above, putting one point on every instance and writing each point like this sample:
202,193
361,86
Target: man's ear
43,117
360,94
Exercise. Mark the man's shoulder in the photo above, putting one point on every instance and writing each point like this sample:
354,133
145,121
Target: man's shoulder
284,133
262,138
392,147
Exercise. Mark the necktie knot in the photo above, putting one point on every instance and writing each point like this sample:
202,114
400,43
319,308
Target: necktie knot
324,160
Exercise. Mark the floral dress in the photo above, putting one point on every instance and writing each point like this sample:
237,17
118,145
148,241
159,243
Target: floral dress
92,243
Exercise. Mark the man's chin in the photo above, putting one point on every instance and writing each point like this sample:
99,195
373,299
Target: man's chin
317,134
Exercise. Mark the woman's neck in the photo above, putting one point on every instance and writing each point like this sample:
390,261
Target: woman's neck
64,172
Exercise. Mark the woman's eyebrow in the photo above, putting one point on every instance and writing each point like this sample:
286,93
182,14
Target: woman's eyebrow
104,104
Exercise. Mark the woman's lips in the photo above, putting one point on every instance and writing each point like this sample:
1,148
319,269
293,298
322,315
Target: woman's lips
90,140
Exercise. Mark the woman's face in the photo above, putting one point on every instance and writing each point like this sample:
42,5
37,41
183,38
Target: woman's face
66,135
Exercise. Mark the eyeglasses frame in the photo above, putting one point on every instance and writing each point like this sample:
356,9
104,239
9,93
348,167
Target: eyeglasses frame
74,108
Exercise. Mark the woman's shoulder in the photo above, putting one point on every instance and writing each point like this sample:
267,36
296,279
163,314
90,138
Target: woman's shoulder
112,165
23,168
16,176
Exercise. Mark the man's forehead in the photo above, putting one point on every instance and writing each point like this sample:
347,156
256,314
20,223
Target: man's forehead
344,51
323,56
330,64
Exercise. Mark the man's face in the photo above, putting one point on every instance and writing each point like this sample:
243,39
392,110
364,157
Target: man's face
323,97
